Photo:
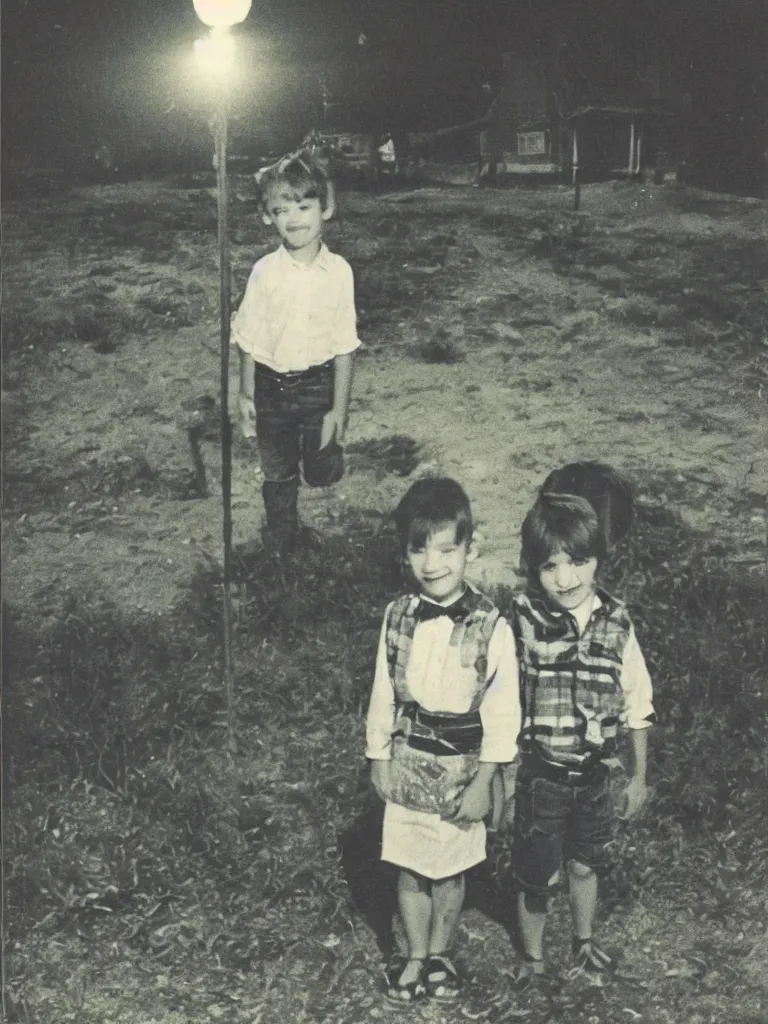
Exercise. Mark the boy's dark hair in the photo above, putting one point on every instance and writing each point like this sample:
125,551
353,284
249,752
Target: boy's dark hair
557,522
430,505
298,175
607,491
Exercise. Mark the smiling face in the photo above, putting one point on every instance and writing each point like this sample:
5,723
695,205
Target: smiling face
438,564
566,580
298,220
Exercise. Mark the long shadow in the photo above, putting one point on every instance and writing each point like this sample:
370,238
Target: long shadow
371,881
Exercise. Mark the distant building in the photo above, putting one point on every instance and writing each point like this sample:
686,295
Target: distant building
635,124
528,122
685,106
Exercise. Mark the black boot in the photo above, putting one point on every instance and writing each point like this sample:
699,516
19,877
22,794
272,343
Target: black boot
281,505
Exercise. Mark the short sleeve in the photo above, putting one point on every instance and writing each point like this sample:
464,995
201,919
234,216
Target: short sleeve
247,327
345,339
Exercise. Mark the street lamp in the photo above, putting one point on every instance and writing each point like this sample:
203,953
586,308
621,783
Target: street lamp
222,13
216,53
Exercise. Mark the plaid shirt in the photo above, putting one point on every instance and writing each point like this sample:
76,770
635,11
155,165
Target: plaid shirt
573,689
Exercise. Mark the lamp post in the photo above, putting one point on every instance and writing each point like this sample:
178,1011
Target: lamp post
216,53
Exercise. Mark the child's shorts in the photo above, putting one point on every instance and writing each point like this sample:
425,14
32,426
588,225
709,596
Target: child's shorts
557,820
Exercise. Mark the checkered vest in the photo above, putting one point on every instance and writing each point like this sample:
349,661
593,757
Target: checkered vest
570,684
473,635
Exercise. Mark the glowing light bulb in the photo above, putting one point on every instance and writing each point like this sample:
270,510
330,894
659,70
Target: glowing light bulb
222,13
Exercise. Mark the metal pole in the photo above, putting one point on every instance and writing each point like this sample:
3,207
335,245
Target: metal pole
225,302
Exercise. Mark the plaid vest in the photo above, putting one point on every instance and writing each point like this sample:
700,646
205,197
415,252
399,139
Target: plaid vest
435,754
473,636
570,684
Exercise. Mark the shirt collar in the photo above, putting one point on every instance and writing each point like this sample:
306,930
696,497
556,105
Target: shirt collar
602,603
321,261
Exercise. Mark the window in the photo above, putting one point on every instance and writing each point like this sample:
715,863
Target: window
531,143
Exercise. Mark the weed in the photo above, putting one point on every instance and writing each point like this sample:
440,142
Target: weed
394,455
392,226
440,348
173,312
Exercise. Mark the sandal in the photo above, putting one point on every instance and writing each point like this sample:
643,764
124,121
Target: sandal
591,959
412,992
526,977
442,978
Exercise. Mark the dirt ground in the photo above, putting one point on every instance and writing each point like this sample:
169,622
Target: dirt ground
155,880
503,334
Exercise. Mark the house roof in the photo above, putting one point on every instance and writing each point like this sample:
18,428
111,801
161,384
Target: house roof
621,113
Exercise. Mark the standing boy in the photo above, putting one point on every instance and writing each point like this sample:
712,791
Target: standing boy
582,679
444,712
296,329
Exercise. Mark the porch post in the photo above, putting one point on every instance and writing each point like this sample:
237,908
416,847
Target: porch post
575,169
631,163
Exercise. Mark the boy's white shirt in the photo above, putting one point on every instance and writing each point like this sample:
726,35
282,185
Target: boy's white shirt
297,315
635,678
437,681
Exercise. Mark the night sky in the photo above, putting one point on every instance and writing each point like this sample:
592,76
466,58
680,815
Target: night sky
79,72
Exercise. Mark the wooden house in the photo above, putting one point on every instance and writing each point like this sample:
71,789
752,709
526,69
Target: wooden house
527,123
548,125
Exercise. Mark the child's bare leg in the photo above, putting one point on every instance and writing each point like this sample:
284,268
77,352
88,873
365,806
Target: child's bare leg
582,885
447,901
415,901
532,916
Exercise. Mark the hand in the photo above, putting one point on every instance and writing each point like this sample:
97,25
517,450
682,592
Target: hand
331,427
635,797
475,803
509,778
380,771
247,415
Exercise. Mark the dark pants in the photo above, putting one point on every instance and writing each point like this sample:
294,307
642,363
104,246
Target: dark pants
289,418
557,820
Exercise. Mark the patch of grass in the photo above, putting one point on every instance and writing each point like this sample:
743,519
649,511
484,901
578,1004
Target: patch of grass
67,318
132,830
172,311
84,494
440,348
392,226
383,294
394,455
459,211
121,715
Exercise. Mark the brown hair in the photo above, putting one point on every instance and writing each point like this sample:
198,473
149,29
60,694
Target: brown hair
560,522
430,505
297,174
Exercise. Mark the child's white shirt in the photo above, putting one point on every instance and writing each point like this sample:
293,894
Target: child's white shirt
635,678
420,842
437,680
297,315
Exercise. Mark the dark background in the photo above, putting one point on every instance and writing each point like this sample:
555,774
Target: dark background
82,74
